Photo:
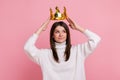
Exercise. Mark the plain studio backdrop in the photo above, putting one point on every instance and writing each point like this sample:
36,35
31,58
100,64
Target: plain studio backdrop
19,19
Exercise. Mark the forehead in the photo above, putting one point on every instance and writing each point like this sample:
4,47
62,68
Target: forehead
59,28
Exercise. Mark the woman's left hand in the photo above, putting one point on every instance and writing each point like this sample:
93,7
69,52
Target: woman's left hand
74,26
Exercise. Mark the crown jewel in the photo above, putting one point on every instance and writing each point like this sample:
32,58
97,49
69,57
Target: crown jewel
57,15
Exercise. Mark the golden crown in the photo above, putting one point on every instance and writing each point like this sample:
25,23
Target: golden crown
57,15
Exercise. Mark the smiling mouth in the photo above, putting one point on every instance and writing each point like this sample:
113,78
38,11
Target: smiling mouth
60,38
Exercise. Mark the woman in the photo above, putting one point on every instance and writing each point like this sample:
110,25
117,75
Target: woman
62,61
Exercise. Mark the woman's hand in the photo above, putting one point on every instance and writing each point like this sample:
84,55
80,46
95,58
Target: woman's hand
74,26
43,27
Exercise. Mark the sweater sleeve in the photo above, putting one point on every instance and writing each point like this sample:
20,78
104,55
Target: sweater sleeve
88,47
32,51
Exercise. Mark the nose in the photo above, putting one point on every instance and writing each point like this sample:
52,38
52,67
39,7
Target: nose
61,34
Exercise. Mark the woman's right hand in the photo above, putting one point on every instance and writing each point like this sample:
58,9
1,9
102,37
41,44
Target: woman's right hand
43,26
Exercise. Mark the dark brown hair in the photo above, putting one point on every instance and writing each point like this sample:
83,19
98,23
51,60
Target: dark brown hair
68,41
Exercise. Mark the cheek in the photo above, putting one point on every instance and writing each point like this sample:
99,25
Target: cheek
65,35
55,35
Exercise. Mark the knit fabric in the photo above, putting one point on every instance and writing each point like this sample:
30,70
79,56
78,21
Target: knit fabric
73,69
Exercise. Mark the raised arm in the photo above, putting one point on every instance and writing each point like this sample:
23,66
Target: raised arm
32,51
43,27
93,39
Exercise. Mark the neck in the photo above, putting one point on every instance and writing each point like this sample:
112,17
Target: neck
60,45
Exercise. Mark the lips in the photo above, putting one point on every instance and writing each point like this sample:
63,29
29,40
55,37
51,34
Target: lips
60,38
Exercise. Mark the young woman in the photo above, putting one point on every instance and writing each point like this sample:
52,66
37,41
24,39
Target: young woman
62,61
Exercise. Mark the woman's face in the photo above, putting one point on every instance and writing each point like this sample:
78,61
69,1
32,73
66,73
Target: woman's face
60,34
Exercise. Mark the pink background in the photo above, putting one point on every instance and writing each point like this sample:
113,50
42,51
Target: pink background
20,18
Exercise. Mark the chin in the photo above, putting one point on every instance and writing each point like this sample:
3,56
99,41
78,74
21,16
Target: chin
60,41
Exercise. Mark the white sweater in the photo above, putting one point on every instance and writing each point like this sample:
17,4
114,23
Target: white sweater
73,69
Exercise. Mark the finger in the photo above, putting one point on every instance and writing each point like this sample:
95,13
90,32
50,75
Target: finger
70,21
71,26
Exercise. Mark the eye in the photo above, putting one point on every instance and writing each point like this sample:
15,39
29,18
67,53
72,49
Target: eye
56,31
64,31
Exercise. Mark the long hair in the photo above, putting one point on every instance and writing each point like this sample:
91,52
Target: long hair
68,41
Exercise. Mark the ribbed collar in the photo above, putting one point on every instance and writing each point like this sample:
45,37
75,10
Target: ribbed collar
60,45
